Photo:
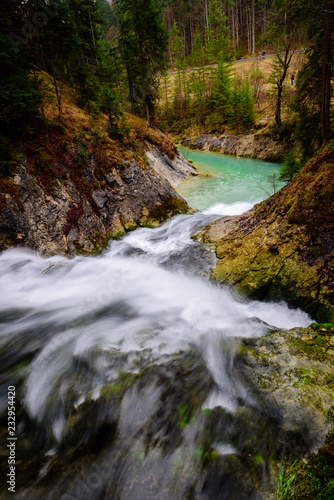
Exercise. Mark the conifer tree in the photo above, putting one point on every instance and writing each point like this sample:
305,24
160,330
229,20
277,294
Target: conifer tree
20,90
218,42
178,61
144,42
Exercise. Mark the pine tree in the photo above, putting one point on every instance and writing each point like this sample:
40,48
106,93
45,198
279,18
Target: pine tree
241,105
178,61
220,101
314,83
218,42
144,42
20,90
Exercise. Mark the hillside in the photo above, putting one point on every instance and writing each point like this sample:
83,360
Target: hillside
73,183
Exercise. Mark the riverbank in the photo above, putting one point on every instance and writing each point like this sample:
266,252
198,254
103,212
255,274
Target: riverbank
277,250
74,184
262,144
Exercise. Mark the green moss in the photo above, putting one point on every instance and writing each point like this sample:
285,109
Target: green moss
72,421
110,390
184,417
314,348
130,226
209,458
304,381
320,327
258,458
330,414
310,480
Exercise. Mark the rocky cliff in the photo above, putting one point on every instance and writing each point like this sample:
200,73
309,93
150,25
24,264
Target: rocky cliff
261,144
75,186
293,372
283,247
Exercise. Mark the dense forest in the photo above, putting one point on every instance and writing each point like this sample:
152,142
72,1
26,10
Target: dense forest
119,57
145,363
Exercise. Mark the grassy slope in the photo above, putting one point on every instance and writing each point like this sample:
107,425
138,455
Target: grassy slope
79,127
265,106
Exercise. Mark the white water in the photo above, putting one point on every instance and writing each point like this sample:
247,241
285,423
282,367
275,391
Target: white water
138,299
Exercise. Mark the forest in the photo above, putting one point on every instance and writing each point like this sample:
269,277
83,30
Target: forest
167,319
119,58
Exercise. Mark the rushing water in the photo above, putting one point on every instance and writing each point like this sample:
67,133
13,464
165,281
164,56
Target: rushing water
119,358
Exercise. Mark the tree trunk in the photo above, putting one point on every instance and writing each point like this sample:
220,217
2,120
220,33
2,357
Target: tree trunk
166,94
233,27
278,111
130,83
326,75
148,116
237,23
58,94
93,38
280,82
206,13
180,97
248,31
253,27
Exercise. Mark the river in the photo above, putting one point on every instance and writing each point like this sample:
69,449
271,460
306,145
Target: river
124,364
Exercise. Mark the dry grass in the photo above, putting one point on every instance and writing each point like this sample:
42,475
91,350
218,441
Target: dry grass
141,132
243,69
74,117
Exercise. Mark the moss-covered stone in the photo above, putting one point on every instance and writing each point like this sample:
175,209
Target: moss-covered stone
283,247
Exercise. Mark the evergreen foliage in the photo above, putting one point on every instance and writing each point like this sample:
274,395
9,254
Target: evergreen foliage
67,39
64,39
144,42
20,93
291,168
221,98
242,113
218,43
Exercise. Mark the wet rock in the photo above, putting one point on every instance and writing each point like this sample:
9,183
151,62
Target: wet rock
70,216
283,247
257,145
294,371
149,435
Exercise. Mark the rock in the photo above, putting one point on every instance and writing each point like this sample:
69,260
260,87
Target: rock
259,145
293,370
76,213
276,250
174,170
147,433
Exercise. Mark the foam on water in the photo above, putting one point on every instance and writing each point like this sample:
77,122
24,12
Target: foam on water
222,209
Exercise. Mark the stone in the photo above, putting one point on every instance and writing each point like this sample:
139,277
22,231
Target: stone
276,251
67,220
260,145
